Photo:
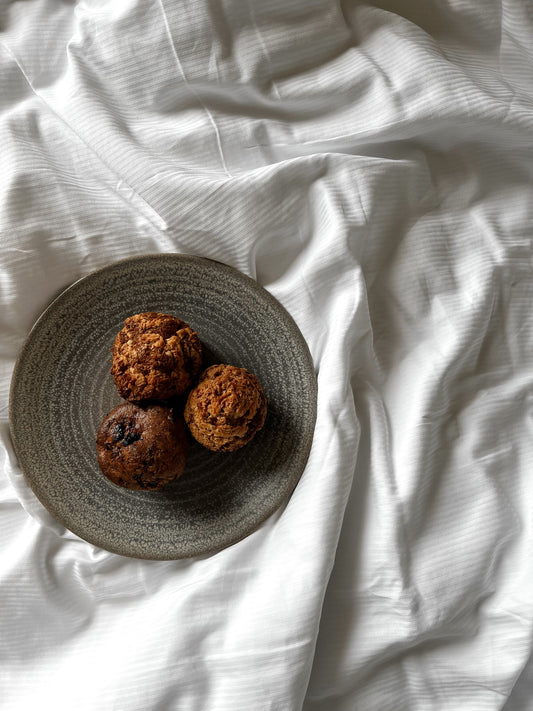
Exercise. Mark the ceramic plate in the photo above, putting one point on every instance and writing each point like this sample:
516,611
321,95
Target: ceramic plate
62,388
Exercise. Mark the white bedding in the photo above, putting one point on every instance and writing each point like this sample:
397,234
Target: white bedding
370,164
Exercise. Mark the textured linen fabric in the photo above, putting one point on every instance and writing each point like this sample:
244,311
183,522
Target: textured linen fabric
370,164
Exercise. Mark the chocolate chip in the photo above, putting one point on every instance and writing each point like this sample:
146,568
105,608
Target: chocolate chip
118,432
131,437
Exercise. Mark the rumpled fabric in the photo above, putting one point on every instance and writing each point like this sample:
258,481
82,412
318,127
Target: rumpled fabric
370,164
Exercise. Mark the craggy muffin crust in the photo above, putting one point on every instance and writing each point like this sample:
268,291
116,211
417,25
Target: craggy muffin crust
226,409
142,447
155,357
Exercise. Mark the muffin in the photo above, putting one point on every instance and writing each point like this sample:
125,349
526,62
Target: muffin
155,357
142,447
226,409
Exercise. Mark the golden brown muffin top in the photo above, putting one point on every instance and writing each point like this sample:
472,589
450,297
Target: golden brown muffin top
155,357
226,408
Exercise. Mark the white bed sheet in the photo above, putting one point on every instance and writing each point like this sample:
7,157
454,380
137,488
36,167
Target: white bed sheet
370,164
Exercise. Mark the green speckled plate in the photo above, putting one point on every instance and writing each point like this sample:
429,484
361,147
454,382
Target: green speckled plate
62,388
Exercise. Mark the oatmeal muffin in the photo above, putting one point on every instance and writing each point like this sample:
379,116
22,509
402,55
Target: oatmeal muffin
226,408
155,357
142,447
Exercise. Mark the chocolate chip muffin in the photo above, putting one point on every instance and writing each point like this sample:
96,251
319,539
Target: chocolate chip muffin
142,447
226,408
155,357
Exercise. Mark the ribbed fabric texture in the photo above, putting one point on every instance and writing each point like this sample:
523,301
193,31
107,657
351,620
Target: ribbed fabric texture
370,164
